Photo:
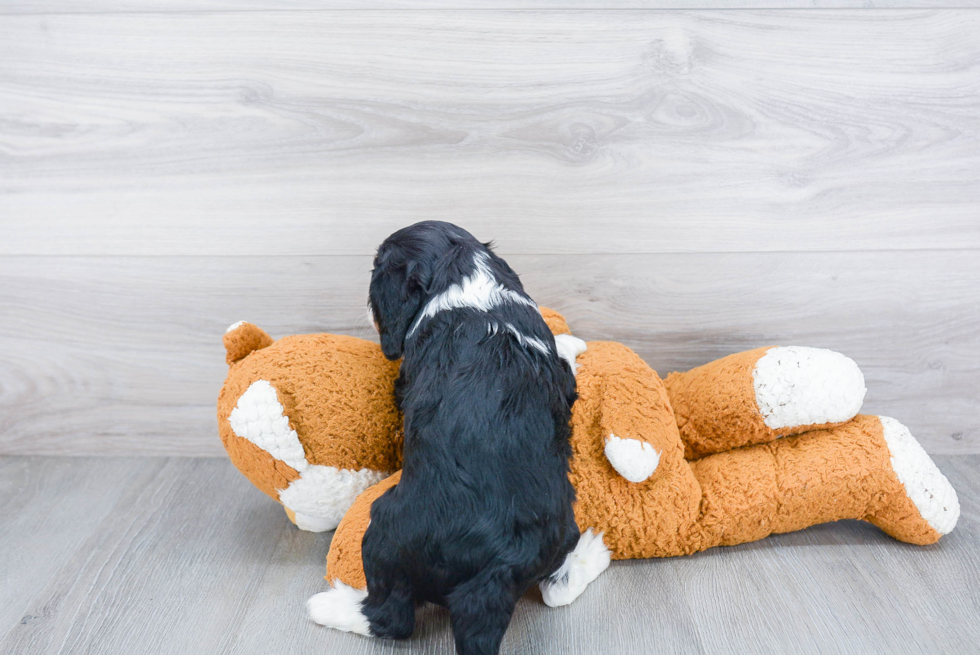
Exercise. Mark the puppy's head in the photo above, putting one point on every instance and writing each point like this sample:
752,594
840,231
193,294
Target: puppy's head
413,264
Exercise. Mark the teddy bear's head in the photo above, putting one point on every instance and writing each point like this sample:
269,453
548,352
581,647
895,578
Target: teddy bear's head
309,419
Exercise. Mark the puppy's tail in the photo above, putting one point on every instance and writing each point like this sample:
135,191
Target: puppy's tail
243,338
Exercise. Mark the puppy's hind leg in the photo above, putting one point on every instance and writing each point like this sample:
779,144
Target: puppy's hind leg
344,608
480,610
391,615
387,608
390,603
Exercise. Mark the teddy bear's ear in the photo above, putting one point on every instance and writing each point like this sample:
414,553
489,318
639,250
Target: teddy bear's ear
242,338
556,322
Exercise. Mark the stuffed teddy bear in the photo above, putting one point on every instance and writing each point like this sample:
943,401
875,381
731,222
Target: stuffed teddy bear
759,442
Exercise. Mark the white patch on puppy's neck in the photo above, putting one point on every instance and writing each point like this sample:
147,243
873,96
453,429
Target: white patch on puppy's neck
478,291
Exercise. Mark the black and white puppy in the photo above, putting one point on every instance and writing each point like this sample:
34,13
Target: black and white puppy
484,506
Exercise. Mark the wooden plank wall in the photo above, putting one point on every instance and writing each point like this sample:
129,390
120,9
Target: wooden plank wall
691,183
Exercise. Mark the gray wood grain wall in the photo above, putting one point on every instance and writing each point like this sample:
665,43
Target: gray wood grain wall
691,183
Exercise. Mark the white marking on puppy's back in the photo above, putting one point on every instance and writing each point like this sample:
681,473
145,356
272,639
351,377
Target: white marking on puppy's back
478,291
534,342
340,609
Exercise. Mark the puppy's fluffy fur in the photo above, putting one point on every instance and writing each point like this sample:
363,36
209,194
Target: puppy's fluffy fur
484,506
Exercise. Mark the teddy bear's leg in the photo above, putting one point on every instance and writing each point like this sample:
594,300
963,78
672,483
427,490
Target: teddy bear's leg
760,395
344,563
631,480
869,468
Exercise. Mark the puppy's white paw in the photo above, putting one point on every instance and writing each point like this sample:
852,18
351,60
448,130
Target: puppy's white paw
581,566
569,348
340,609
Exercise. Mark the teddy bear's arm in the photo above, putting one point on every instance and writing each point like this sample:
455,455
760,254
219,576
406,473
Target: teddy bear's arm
634,432
635,420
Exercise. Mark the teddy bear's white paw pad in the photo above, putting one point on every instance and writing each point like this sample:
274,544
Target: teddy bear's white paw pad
340,608
634,460
797,386
581,566
926,486
569,348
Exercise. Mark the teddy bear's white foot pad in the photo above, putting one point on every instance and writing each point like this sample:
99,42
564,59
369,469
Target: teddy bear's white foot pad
581,566
926,486
797,386
340,609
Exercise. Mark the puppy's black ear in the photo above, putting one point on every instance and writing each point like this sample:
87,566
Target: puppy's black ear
396,295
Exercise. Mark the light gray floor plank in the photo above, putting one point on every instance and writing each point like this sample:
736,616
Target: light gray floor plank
183,555
300,133
47,508
166,570
124,355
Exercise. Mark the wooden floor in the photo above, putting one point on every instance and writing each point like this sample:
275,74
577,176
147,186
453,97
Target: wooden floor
175,555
